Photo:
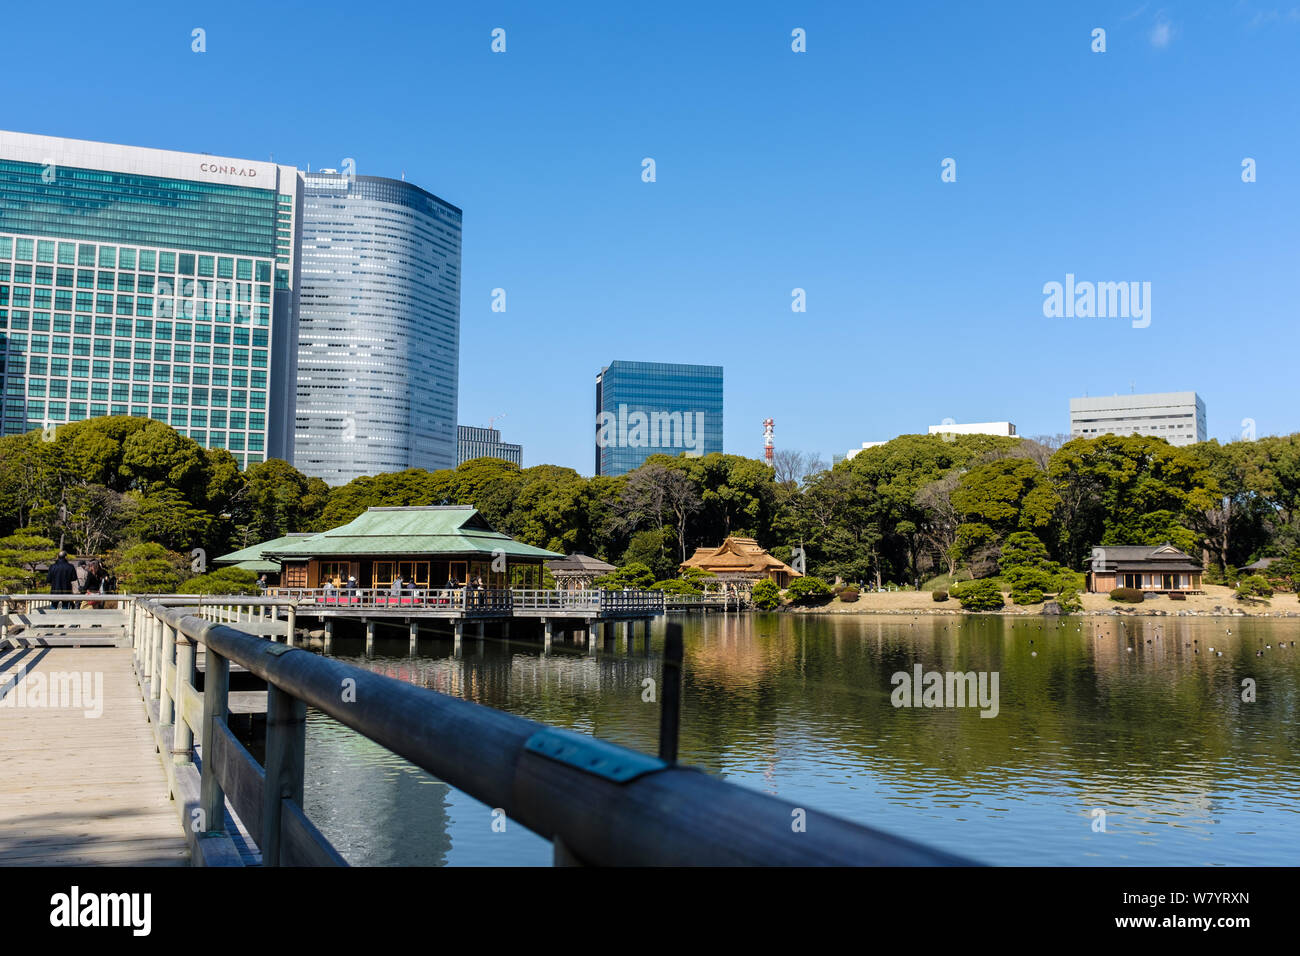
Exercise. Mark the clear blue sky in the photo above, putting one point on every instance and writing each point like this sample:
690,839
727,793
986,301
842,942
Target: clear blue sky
775,170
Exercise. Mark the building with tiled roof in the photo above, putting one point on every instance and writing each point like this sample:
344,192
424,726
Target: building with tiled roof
741,560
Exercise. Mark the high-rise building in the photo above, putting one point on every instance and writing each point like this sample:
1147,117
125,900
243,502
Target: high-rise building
652,408
474,443
379,328
151,283
1178,417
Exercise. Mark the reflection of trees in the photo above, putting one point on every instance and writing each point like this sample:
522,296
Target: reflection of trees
756,687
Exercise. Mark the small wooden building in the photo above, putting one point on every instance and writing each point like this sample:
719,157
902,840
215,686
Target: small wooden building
741,560
1161,569
576,572
426,546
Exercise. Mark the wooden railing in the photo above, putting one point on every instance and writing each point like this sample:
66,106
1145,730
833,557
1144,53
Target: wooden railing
597,802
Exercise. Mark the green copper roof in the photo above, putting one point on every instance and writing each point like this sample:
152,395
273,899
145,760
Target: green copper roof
258,567
253,552
435,529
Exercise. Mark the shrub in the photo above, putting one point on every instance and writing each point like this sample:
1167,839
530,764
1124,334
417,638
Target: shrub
808,590
635,576
981,595
939,596
147,569
1127,595
675,586
1022,549
1070,602
1030,596
222,581
849,595
1254,586
766,596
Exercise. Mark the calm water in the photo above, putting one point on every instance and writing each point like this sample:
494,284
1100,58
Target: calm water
799,706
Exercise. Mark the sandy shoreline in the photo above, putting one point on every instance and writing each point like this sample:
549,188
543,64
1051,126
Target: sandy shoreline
1215,602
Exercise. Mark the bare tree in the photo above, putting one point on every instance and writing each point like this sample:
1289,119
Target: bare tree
941,519
792,466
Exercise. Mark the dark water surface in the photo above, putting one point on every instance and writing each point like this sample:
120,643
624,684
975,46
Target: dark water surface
1158,737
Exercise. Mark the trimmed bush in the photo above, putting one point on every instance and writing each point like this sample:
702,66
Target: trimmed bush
981,595
1127,595
938,596
766,596
849,595
1254,586
1030,596
808,590
1069,602
222,581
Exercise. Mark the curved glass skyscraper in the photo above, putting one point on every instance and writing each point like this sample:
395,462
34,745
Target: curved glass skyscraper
379,328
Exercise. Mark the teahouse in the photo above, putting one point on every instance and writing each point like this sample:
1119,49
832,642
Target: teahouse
250,558
741,561
426,546
576,572
1160,569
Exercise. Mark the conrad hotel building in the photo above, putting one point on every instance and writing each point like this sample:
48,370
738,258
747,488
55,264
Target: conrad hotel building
149,283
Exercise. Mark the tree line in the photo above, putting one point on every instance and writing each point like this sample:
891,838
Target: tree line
902,512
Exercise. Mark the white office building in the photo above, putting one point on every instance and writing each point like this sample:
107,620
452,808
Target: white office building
1001,429
1177,417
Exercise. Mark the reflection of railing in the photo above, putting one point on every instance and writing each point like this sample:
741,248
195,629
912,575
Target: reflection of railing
598,803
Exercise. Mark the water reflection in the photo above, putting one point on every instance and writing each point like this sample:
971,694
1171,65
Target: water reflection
1138,718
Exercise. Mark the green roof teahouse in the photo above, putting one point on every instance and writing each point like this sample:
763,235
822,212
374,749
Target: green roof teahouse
426,546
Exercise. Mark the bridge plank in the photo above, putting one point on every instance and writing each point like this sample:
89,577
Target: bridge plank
79,790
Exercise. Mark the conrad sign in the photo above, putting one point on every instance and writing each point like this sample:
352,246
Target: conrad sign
248,171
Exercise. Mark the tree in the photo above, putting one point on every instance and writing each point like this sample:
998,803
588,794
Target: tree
228,580
766,595
809,590
978,595
148,569
20,554
630,576
941,518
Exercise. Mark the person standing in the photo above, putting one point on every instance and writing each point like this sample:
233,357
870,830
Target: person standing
60,576
90,585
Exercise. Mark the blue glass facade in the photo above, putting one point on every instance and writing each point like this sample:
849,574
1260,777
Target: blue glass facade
650,408
155,296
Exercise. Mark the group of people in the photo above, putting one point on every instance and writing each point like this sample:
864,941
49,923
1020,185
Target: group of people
83,578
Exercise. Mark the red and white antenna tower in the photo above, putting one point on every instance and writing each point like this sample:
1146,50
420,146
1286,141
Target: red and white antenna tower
768,427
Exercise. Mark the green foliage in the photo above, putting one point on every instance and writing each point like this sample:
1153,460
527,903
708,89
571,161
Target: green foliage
633,576
808,590
1022,549
939,596
1254,586
675,586
1027,596
1070,602
654,548
148,569
20,553
1127,595
766,595
981,595
222,581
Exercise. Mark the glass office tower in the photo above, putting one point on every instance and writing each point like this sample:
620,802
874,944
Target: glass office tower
150,283
472,442
651,408
379,328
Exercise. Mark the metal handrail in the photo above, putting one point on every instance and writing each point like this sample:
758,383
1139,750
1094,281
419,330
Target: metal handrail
598,803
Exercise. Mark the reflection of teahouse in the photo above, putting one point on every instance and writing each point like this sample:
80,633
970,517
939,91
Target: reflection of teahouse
420,546
1160,569
740,561
576,572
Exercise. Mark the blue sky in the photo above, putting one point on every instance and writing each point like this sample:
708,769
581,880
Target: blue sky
775,170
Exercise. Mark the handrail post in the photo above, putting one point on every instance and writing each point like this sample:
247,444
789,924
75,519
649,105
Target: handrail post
286,744
166,709
216,703
182,733
292,622
155,653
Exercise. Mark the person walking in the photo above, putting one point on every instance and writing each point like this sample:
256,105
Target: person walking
60,576
91,585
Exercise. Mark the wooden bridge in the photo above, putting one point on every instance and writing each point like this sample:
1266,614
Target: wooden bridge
144,767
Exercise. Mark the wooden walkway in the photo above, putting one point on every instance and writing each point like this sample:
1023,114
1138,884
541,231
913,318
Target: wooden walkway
78,790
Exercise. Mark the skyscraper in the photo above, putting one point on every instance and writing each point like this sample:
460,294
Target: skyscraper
650,408
1177,417
379,328
474,443
151,283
